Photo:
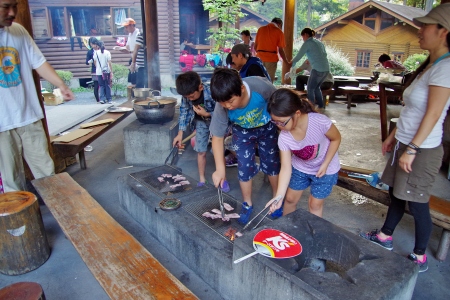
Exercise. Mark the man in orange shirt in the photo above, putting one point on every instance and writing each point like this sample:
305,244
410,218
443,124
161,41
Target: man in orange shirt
268,43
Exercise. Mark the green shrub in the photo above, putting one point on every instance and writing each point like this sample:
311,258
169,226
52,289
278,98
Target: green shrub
339,62
415,60
120,77
66,76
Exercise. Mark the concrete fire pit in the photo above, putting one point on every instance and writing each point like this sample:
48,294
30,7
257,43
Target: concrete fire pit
334,264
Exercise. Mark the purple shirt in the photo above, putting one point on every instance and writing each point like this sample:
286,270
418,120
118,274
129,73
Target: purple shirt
309,153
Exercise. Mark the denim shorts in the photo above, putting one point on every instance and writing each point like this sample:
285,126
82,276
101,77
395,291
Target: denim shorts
320,187
245,142
202,136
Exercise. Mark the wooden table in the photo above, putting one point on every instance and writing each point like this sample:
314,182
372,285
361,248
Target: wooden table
383,91
77,146
387,89
200,47
350,91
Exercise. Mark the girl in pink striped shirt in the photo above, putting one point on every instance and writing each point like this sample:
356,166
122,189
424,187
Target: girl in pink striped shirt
308,144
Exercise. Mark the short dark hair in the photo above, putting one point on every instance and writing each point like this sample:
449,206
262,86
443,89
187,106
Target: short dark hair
308,31
383,57
285,102
225,83
277,21
188,83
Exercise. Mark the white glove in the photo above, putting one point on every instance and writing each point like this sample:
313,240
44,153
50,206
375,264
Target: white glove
287,75
292,75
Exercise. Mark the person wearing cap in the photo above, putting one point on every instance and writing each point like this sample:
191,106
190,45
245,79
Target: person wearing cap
130,26
270,42
245,63
416,143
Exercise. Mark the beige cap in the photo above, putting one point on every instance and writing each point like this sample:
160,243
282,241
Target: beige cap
128,21
438,15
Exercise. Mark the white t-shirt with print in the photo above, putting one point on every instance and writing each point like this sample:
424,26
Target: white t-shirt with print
101,60
416,100
19,103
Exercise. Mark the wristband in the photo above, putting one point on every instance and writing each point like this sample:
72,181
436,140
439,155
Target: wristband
414,147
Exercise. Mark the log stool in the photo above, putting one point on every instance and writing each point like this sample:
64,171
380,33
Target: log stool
24,246
22,291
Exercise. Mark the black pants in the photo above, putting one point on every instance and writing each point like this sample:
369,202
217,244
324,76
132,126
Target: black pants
422,220
141,78
302,80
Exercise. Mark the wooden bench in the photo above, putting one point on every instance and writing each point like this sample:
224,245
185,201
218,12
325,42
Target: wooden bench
439,208
64,150
123,267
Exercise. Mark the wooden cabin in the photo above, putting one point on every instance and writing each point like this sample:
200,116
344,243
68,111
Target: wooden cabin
251,21
371,29
62,27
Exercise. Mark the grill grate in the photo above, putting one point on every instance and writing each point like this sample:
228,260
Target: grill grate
197,208
149,179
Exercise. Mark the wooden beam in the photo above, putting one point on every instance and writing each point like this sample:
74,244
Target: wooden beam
23,17
289,18
151,40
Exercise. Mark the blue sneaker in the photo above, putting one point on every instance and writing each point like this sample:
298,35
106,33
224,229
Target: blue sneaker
373,237
278,213
225,186
200,184
245,214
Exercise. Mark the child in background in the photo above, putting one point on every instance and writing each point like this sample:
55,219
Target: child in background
308,144
243,102
196,109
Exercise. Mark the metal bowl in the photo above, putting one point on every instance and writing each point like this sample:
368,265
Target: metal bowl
145,92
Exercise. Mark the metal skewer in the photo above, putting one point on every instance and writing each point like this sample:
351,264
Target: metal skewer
219,192
248,224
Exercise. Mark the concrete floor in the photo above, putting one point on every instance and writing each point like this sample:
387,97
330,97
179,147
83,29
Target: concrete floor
65,276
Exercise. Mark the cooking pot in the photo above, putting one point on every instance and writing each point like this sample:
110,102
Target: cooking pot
155,110
144,92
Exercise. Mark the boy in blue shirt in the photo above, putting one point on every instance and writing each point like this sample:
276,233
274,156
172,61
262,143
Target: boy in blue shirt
196,109
243,102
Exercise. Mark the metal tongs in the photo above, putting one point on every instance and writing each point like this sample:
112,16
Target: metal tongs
219,193
275,201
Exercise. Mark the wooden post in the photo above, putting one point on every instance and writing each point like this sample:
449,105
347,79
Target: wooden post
151,40
24,246
289,17
23,291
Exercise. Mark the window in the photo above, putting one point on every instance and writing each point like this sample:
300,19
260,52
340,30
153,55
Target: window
57,17
93,21
363,58
398,56
370,18
386,20
39,21
81,21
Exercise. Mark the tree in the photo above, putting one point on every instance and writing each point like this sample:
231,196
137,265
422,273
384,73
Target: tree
226,12
322,11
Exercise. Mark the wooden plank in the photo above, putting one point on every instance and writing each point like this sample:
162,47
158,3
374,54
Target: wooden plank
123,267
439,208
